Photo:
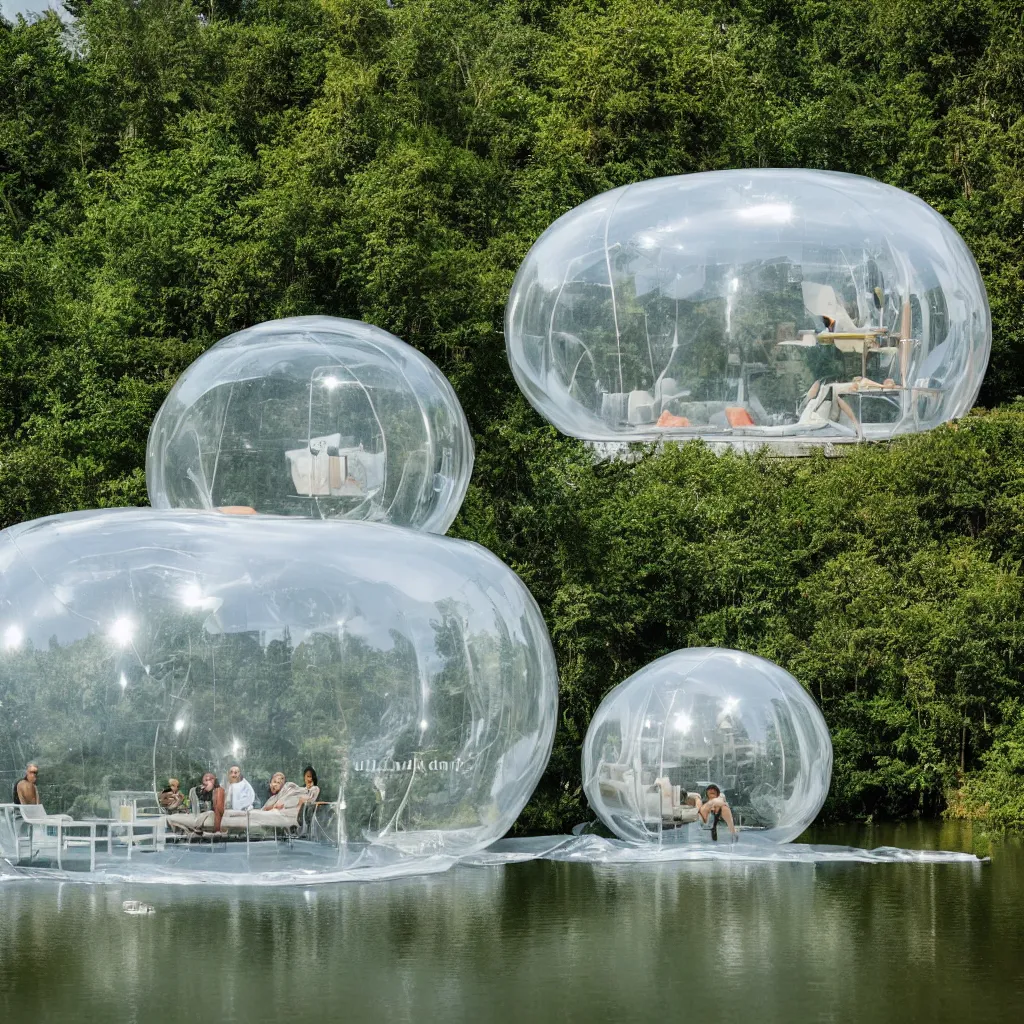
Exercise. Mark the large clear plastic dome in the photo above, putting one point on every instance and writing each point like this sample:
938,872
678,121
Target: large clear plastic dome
700,717
317,417
748,306
412,672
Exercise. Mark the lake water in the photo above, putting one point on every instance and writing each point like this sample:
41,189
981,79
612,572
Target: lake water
541,942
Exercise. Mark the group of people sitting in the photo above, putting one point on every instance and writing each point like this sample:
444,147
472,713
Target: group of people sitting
212,808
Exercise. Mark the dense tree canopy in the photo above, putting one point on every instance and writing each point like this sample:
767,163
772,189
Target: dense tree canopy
171,171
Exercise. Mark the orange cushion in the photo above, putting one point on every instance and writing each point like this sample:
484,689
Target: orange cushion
667,419
738,416
237,510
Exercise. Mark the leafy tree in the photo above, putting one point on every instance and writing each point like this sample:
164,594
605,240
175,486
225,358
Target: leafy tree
173,170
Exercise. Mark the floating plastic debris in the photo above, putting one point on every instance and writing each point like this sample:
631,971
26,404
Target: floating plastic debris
137,907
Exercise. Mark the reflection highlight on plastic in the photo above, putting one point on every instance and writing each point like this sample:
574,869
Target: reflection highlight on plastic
12,638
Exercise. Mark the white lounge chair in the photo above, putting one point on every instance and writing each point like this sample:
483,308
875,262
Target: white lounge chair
286,819
674,806
35,816
617,785
324,468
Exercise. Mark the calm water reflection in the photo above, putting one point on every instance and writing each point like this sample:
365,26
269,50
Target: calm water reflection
540,942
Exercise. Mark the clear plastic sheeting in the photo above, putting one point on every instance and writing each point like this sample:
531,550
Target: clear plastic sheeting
316,417
749,306
592,849
412,673
699,718
231,867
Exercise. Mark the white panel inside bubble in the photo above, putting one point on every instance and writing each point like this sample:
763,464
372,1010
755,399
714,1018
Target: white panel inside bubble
704,716
413,672
315,417
678,308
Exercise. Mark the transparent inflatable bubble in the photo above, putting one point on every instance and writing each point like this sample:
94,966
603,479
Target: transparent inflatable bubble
752,306
317,417
707,717
413,673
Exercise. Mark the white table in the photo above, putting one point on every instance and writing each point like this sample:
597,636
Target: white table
111,825
92,838
10,820
155,825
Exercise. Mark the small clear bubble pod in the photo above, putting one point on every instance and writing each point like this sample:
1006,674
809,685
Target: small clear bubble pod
317,417
749,306
413,672
700,717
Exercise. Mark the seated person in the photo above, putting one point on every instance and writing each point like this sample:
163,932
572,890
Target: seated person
276,798
715,808
286,797
209,809
309,781
172,799
25,791
281,809
241,795
310,793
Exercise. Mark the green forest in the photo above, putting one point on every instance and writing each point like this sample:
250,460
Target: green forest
172,171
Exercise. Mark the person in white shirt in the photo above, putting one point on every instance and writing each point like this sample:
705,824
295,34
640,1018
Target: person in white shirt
280,811
241,796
